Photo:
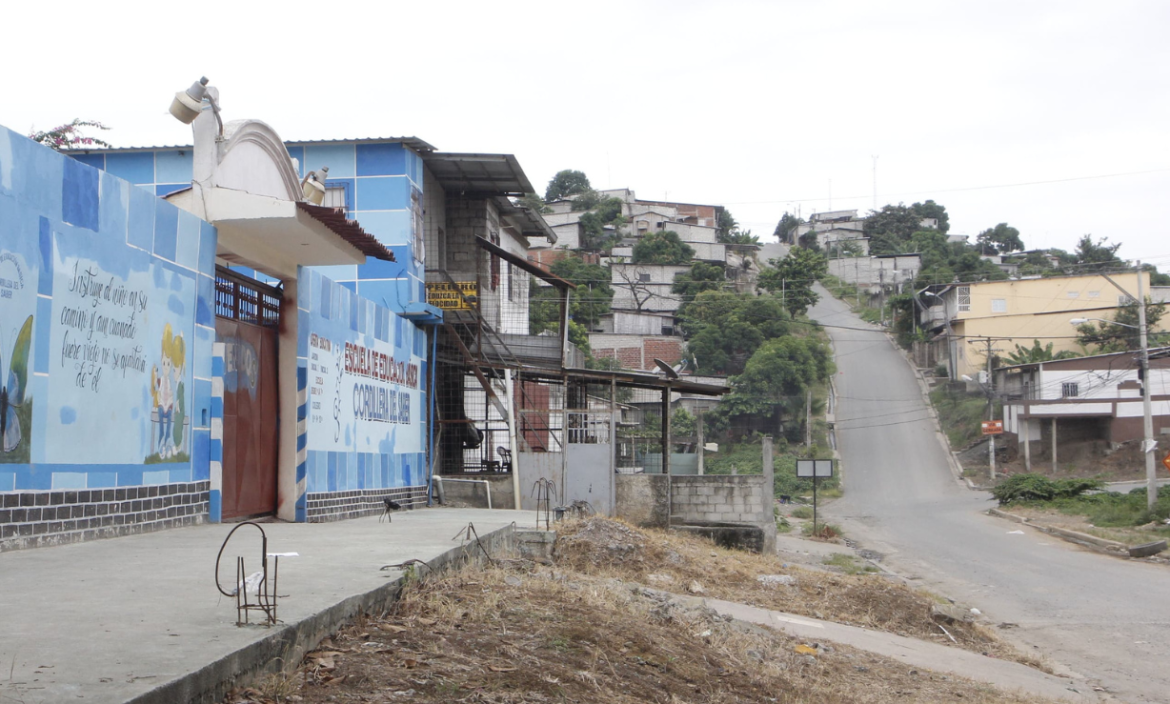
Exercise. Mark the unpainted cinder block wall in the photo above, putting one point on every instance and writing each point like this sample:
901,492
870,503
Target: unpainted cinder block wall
724,499
642,499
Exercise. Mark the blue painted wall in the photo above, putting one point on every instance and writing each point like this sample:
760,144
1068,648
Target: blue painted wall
106,323
364,372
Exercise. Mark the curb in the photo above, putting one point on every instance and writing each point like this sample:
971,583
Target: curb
1092,542
286,646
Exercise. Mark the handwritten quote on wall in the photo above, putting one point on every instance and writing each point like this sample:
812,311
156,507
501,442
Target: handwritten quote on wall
101,318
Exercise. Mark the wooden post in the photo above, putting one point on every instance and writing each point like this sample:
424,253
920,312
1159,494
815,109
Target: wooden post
1054,445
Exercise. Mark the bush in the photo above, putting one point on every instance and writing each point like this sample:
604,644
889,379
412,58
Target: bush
1034,487
941,371
804,512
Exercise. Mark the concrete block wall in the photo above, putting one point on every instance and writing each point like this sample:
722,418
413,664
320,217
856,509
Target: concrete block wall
641,499
721,498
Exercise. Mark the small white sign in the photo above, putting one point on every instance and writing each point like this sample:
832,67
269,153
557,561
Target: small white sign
814,468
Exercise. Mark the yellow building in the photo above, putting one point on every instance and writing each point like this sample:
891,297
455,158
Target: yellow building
1018,312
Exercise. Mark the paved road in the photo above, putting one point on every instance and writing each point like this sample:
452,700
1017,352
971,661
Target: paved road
1100,617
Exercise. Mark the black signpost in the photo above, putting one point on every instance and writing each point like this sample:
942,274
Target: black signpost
814,469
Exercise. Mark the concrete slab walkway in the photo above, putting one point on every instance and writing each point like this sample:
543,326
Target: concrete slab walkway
1006,675
139,618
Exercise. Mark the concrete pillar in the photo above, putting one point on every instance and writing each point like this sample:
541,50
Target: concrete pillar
1027,437
287,488
1054,446
769,474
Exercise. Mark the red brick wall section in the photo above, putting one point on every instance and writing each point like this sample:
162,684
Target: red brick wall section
603,353
669,351
630,357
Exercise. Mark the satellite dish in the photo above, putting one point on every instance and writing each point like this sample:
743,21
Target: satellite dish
668,370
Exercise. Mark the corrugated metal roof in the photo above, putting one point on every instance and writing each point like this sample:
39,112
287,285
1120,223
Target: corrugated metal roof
412,142
348,230
482,175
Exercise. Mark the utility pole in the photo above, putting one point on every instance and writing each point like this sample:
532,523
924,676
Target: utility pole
990,391
1148,443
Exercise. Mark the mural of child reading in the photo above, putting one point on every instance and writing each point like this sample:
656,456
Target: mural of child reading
169,397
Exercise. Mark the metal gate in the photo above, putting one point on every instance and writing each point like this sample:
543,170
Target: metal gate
247,317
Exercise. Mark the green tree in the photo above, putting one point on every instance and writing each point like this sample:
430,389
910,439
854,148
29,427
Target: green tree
1107,337
566,183
809,241
1035,264
890,228
1036,353
533,203
1000,239
703,276
793,277
663,247
930,209
1097,256
1157,278
724,224
724,329
784,228
777,377
70,136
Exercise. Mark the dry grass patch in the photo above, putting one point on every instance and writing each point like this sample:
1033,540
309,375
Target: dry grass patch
672,561
518,632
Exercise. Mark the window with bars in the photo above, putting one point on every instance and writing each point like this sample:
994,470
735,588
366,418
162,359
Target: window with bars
238,297
1070,389
963,294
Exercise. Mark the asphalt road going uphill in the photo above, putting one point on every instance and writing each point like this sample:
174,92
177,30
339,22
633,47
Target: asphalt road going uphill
1101,617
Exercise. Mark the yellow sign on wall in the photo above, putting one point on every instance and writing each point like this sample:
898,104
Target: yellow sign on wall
447,297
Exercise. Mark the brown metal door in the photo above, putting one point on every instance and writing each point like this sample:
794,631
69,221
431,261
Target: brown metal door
249,418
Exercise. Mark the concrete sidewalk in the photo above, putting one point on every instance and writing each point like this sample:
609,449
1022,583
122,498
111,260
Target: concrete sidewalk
139,618
1006,675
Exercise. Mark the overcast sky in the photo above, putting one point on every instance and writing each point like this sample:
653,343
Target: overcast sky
759,106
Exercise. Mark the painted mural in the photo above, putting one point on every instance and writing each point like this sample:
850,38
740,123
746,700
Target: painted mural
18,297
101,286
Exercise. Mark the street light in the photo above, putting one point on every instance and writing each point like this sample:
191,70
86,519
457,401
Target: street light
1148,443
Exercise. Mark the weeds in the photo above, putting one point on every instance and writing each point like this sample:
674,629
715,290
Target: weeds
848,564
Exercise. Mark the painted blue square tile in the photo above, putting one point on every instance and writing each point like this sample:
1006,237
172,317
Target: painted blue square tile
180,476
114,210
203,309
349,285
204,338
304,287
215,506
208,237
361,470
135,167
381,159
402,252
338,157
45,249
379,324
331,478
97,161
201,452
36,172
383,292
304,321
101,480
42,325
202,415
79,195
379,269
340,272
173,166
382,193
187,241
326,303
165,189
353,314
69,480
391,228
343,471
298,153
166,227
